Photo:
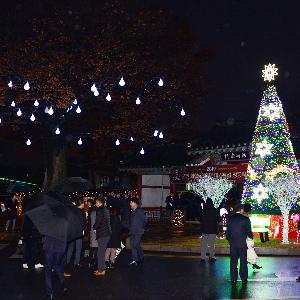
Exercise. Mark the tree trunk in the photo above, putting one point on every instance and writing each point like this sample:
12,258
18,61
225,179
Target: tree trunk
55,168
285,231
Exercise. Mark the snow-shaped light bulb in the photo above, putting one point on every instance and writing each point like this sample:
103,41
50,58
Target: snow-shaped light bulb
108,97
78,109
142,151
138,101
93,88
57,131
75,101
10,84
161,136
79,142
26,86
28,142
50,111
160,82
96,93
13,104
182,113
122,82
131,139
36,103
32,118
155,133
117,142
19,113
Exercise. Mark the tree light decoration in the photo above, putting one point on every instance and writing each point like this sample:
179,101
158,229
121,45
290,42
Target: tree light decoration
96,93
177,218
108,97
161,136
131,139
122,82
50,111
75,102
0,120
57,131
142,151
26,86
32,118
269,72
19,113
10,84
137,101
78,110
46,110
13,104
271,154
182,113
285,189
28,142
117,142
36,103
93,88
155,133
160,82
79,142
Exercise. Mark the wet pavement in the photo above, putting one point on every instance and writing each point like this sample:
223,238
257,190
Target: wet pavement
163,276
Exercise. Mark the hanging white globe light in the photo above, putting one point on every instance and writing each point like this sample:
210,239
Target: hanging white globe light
26,86
78,110
50,111
122,82
13,104
161,136
57,131
182,113
93,88
138,101
28,142
75,101
142,151
10,84
108,97
96,93
79,142
32,118
117,142
155,133
131,138
19,113
160,82
36,103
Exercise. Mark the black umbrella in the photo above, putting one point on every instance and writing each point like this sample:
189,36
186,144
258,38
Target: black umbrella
73,184
56,216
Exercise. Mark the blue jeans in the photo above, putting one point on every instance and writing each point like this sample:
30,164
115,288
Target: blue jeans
136,249
55,261
78,247
102,245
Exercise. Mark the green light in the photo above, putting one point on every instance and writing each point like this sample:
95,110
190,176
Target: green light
16,181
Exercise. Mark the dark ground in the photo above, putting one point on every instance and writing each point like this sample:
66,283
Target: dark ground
162,276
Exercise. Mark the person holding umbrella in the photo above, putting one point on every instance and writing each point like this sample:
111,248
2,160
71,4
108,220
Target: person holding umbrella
103,233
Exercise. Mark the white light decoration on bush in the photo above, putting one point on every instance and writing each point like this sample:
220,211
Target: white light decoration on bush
285,188
160,82
28,142
79,142
13,104
161,136
108,97
19,113
263,148
260,193
117,142
142,151
78,110
93,88
26,86
137,101
32,118
46,110
10,84
57,131
269,72
131,139
182,113
122,82
50,111
75,102
36,103
155,133
96,93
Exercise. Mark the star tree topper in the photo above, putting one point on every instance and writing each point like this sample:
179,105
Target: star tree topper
269,72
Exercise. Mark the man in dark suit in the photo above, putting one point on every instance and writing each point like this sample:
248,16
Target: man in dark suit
238,229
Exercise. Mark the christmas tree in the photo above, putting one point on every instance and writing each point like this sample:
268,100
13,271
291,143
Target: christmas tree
272,151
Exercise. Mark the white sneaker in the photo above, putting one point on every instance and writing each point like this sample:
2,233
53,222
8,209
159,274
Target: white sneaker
39,265
25,266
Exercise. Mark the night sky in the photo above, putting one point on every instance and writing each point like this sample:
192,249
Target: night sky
245,35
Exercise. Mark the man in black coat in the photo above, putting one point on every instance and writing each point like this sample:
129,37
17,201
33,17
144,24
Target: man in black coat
209,223
238,229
